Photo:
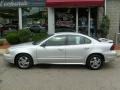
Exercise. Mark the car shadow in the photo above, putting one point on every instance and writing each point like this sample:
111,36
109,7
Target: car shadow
106,66
10,65
49,66
56,66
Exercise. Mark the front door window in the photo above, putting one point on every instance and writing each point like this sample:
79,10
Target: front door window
56,41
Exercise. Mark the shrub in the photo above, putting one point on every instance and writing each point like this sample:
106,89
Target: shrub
1,42
105,25
12,38
24,35
39,36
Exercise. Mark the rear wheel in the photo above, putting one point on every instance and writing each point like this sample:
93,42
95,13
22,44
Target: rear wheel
94,62
24,61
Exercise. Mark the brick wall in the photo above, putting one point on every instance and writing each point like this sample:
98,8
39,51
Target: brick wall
113,11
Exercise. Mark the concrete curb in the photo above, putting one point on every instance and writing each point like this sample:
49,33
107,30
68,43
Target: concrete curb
118,53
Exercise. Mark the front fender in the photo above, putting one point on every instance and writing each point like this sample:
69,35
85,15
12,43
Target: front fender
32,53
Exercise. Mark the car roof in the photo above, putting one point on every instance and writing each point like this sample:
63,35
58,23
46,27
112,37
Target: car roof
75,33
67,33
71,33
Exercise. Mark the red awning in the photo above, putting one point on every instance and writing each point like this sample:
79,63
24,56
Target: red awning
74,3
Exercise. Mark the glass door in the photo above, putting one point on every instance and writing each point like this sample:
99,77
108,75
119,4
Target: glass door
93,22
83,20
87,21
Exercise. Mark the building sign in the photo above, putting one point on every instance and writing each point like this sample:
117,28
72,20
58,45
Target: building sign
21,3
13,3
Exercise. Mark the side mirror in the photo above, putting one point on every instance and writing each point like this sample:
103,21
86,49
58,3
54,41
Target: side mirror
43,45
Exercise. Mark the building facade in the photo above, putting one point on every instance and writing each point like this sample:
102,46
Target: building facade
112,10
77,16
82,16
21,14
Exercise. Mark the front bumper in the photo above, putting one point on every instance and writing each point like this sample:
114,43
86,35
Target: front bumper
8,58
110,56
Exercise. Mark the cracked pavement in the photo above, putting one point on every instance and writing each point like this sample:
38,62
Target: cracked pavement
60,77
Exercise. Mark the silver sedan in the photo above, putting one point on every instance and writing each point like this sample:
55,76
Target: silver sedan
62,48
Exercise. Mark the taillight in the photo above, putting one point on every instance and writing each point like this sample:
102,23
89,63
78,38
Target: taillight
113,47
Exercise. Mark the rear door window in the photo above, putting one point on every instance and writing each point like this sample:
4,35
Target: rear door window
77,40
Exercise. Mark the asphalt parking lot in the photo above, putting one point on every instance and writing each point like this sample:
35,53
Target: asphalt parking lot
60,77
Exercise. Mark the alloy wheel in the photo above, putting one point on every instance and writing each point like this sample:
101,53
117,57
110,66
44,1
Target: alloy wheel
95,62
23,62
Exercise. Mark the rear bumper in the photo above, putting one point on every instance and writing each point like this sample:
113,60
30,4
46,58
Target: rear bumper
110,56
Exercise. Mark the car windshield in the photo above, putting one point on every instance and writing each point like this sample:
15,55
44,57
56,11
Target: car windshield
36,42
39,41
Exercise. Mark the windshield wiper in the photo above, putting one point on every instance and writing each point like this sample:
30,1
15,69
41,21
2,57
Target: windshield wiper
34,42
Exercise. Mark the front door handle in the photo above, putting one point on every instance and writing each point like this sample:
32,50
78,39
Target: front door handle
86,48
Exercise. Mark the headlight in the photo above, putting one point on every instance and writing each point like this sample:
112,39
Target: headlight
7,51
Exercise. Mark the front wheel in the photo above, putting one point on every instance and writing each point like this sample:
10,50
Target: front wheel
24,61
94,62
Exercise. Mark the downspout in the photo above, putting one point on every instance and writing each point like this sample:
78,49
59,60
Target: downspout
105,1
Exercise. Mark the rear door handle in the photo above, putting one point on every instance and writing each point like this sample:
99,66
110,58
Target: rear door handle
60,49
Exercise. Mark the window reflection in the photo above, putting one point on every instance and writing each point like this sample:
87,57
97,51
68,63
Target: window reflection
35,16
65,19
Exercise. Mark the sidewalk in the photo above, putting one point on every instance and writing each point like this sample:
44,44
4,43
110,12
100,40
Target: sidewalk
118,53
4,47
2,51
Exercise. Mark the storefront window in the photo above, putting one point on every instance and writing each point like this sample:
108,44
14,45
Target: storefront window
37,16
65,19
8,20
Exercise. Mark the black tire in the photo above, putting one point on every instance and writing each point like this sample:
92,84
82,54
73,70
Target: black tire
24,57
94,62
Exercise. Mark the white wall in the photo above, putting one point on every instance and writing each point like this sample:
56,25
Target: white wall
20,17
51,21
113,11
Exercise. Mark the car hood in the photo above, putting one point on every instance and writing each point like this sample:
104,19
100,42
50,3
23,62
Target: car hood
23,45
